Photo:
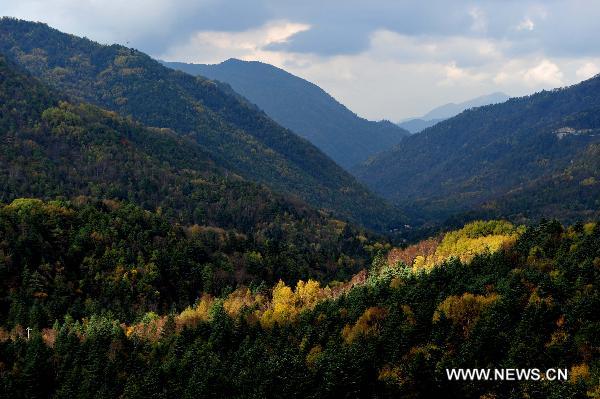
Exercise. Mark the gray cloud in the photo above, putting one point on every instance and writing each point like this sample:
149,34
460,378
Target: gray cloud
343,27
338,26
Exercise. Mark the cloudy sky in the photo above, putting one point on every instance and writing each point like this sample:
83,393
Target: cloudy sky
387,59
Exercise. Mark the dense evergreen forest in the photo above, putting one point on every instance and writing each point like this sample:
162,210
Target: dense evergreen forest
109,322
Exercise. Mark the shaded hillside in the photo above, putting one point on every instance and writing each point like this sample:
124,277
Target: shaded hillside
52,148
234,134
95,164
304,108
519,158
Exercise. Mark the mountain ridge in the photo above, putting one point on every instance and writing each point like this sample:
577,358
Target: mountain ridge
70,156
474,159
303,107
237,136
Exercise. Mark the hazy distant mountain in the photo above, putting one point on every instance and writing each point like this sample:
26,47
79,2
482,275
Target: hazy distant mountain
231,132
416,125
446,111
304,108
526,158
449,110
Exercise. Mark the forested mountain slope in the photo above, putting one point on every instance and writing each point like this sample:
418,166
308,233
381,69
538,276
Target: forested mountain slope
52,148
234,134
90,158
490,295
526,158
304,108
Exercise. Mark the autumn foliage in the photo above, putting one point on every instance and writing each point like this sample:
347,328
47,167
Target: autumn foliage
464,311
473,239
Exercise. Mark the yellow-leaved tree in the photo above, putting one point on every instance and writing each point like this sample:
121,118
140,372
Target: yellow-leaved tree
473,239
367,324
287,304
464,310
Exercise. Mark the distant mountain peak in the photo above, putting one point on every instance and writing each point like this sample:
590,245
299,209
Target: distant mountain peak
452,109
449,110
234,61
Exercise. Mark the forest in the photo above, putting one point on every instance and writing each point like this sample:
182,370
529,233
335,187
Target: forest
103,328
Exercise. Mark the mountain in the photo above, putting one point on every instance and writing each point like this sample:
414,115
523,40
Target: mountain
232,132
52,148
304,108
449,110
152,185
529,157
145,269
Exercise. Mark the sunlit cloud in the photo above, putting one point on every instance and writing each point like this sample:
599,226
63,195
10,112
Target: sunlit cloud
214,46
546,72
588,70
